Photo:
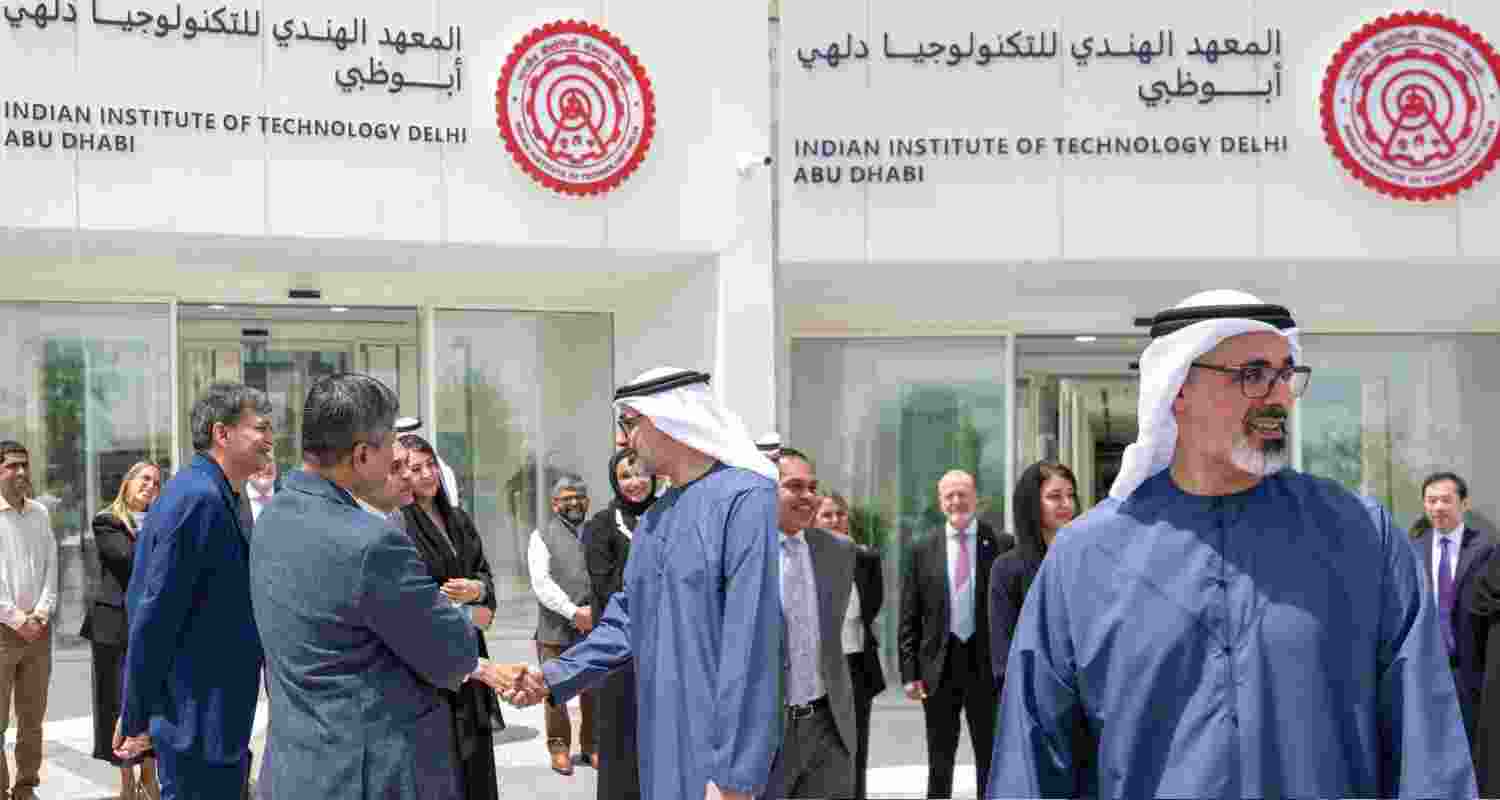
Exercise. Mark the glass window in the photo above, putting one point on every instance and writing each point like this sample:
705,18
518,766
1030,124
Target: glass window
522,399
88,389
1384,411
884,419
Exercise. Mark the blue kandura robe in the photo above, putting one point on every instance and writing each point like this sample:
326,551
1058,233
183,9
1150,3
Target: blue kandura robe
700,615
1272,643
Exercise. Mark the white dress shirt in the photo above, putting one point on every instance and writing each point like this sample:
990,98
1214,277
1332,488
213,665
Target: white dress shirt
548,593
965,599
258,501
1456,536
853,635
28,563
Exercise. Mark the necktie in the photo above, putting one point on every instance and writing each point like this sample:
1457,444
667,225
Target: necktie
963,605
1445,594
802,646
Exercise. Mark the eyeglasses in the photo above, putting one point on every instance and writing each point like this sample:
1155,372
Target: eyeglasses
627,424
1257,380
573,500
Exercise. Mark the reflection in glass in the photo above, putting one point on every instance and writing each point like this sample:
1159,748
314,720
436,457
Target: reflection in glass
884,419
87,388
1385,411
522,399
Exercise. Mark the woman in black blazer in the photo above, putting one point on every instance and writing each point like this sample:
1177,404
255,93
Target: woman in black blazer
105,625
449,543
607,538
1044,501
862,650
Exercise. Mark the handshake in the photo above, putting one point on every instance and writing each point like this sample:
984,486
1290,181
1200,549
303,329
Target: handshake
517,684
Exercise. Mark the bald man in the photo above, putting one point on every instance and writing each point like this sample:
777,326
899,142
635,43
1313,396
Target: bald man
944,639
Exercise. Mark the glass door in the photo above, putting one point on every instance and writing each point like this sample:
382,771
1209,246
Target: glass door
283,350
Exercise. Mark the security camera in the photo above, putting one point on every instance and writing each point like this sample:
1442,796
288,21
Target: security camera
749,161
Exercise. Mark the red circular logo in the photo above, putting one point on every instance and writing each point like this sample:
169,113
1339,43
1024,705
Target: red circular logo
575,108
1411,106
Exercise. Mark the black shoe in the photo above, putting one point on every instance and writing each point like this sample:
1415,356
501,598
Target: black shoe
585,759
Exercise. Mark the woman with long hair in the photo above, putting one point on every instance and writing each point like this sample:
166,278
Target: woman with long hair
1044,501
608,534
105,624
449,543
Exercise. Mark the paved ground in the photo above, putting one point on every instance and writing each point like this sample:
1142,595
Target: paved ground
897,758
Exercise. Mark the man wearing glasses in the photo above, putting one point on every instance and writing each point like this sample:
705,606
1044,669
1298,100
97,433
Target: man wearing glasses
560,580
1222,626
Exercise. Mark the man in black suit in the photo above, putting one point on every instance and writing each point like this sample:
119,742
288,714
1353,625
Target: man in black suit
944,637
1450,551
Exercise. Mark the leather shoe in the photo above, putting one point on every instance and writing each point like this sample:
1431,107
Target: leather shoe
586,759
561,763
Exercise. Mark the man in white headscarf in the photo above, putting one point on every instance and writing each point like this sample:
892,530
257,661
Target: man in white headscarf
1222,626
700,613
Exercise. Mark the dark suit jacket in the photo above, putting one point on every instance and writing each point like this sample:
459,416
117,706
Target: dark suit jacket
1007,578
192,669
925,616
833,571
104,622
1477,547
871,585
358,638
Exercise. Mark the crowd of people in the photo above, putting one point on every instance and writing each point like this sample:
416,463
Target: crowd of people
1219,626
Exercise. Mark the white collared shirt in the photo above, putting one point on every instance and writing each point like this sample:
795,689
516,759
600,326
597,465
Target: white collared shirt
853,635
964,599
539,565
952,535
258,501
28,562
1456,536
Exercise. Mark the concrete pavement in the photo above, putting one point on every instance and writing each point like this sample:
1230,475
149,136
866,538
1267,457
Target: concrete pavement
897,757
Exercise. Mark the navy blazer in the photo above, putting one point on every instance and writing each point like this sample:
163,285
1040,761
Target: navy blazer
192,669
358,639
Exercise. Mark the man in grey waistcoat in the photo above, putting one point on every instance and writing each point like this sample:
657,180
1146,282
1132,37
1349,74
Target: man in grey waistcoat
560,580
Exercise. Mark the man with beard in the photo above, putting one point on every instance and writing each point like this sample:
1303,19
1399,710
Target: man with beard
560,581
700,613
1222,626
28,595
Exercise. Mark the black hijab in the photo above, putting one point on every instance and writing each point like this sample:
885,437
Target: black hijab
633,510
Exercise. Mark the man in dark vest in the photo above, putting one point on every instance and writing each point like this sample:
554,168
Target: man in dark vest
560,580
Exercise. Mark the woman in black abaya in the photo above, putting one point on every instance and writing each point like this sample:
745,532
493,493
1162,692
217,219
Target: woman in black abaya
449,544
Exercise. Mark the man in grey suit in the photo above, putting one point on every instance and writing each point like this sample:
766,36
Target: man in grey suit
358,638
817,569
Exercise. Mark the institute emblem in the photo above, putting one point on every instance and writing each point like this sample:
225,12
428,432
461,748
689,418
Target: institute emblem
1411,106
575,108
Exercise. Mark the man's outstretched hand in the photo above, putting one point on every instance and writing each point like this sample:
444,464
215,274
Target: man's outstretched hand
500,677
529,690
